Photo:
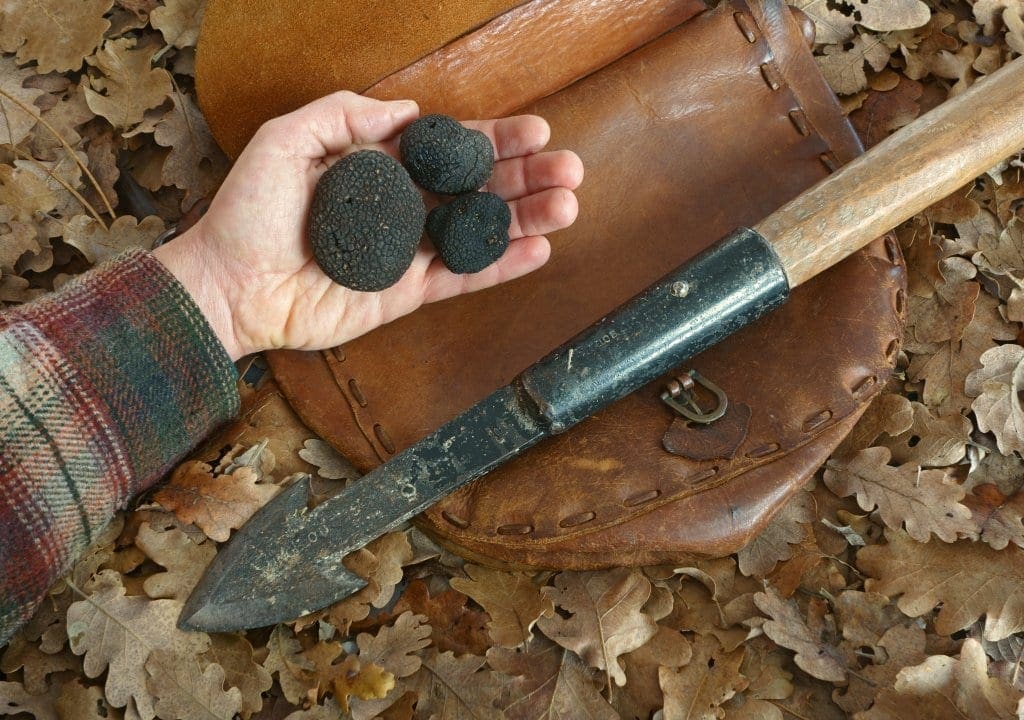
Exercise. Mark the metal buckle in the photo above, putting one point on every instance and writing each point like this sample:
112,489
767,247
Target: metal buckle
680,396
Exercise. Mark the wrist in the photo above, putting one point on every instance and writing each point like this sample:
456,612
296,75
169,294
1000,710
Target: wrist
187,258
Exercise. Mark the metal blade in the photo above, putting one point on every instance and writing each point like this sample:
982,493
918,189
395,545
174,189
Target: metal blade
286,560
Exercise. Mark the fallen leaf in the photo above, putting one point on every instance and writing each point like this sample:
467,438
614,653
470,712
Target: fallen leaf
184,692
195,163
293,670
774,544
18,113
887,413
1008,14
931,441
967,579
843,65
815,652
15,700
185,561
98,244
329,463
996,388
234,654
394,647
179,21
512,600
697,690
926,501
217,505
452,688
642,694
899,647
762,665
83,702
605,618
128,85
56,34
942,686
543,681
117,634
999,520
35,664
454,625
834,22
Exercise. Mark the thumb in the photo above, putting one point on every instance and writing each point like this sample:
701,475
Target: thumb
328,126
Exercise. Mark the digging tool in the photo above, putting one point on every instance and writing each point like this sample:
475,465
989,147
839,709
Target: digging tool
287,560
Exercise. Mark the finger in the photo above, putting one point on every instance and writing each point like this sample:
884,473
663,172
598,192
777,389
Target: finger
543,212
328,126
514,136
523,256
518,177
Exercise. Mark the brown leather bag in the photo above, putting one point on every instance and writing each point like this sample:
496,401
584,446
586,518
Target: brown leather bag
688,129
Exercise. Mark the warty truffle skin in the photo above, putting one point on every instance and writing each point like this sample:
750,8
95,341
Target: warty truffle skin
471,231
444,157
366,221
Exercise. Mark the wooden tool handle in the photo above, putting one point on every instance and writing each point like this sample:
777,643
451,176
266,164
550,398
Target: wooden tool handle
901,176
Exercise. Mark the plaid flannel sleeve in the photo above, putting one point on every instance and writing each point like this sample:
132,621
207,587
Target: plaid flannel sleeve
104,386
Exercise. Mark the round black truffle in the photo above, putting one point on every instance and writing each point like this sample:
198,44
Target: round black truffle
471,231
444,157
366,221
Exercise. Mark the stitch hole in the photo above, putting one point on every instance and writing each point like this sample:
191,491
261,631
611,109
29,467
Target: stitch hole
829,160
864,385
704,475
746,27
357,392
454,520
641,498
901,301
763,451
515,529
384,438
339,354
817,420
771,76
892,249
890,352
799,121
577,519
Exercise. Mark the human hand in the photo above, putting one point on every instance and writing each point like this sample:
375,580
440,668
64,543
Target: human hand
249,264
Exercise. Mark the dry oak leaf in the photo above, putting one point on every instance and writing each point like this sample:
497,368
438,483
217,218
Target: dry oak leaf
887,413
98,244
815,653
185,561
183,691
1002,254
129,85
117,634
834,22
899,647
350,677
944,687
235,655
57,34
926,501
217,505
996,387
294,671
998,519
931,441
395,647
544,681
945,370
606,619
454,624
698,689
16,700
36,665
455,688
83,702
513,601
966,578
1007,13
179,21
642,694
330,464
774,544
195,162
763,663
18,113
844,68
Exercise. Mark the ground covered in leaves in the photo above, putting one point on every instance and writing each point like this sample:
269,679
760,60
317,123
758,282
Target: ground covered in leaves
891,587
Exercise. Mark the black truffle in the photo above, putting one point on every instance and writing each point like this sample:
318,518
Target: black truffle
366,221
444,157
471,231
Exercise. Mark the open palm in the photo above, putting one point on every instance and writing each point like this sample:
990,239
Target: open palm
249,262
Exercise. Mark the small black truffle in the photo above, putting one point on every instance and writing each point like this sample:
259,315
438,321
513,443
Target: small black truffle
366,221
471,231
444,157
